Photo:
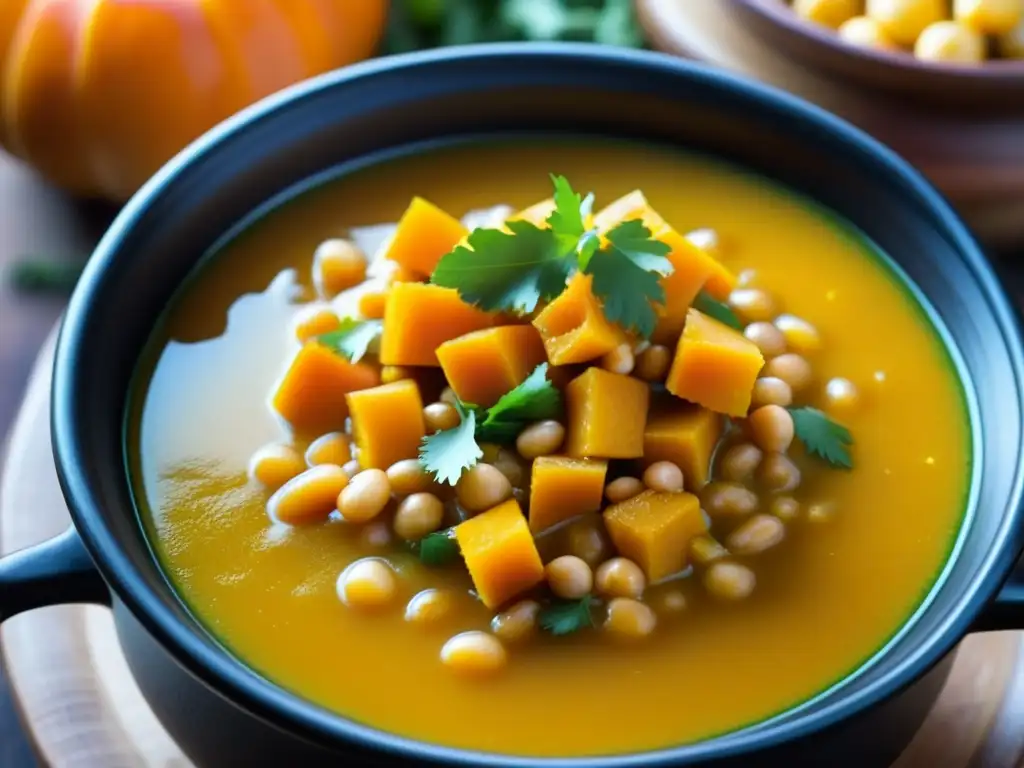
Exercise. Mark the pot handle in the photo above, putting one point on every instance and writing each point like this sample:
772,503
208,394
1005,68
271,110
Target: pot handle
55,571
1007,610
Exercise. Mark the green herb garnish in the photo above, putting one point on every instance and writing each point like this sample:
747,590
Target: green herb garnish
38,275
438,548
822,437
719,310
566,616
449,452
353,338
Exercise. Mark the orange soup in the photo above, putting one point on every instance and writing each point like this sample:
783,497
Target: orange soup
695,474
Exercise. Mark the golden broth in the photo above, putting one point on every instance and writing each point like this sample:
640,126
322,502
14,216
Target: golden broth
825,601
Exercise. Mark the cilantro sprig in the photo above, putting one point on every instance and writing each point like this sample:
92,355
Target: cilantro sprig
448,453
353,338
438,548
564,617
823,437
716,309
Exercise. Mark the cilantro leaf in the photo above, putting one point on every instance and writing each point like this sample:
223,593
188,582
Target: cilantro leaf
352,338
822,437
507,270
716,309
566,616
438,548
636,242
448,453
535,399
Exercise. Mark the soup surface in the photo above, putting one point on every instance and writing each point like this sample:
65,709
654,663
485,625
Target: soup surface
867,546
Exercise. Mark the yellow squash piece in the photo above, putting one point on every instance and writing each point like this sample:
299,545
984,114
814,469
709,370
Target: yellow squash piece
714,366
420,317
684,434
424,234
562,488
606,415
500,554
537,213
654,530
311,396
573,326
387,422
483,365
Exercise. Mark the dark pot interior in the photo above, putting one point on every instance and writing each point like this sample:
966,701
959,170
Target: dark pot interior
346,116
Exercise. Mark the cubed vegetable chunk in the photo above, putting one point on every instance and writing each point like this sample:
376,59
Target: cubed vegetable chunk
420,317
311,396
654,530
483,365
424,234
387,422
562,488
500,554
714,366
606,415
684,434
537,213
573,326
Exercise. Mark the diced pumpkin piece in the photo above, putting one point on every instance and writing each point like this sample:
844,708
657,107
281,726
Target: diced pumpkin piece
562,487
483,365
387,422
420,317
311,396
573,326
632,205
424,234
500,554
654,529
537,213
606,415
714,366
684,434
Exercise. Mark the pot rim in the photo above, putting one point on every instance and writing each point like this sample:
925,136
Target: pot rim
244,686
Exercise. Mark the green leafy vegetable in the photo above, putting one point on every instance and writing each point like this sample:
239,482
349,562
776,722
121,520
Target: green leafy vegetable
566,616
38,275
535,399
717,309
438,548
353,338
448,453
822,437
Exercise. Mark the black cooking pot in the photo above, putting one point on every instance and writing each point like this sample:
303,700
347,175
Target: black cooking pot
224,714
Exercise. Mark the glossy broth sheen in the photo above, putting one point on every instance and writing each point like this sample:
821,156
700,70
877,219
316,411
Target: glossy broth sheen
826,601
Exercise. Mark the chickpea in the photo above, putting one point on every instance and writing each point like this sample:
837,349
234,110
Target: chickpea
440,416
723,499
640,346
623,488
375,535
740,462
352,468
653,363
620,577
729,581
673,601
516,623
418,515
337,266
865,32
512,466
372,304
1011,44
448,396
663,476
706,239
629,619
705,550
429,606
768,338
275,464
757,534
407,477
367,583
482,487
772,428
309,497
801,336
989,17
771,391
791,368
332,448
389,374
542,438
841,396
752,304
588,542
619,360
315,320
786,508
950,41
474,654
778,474
569,577
365,496
904,20
829,13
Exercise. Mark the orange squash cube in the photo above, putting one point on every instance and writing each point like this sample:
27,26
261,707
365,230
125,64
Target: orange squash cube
484,365
573,326
606,413
424,234
684,434
537,213
562,488
311,396
500,554
387,422
420,317
714,366
654,530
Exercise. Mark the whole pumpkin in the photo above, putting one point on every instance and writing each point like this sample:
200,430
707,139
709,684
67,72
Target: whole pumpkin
98,94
